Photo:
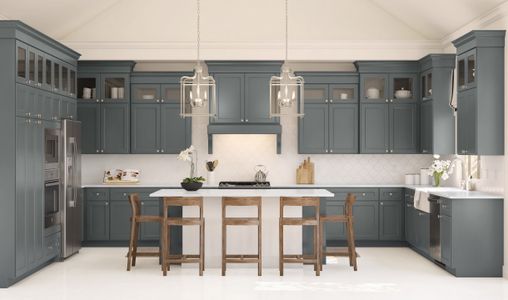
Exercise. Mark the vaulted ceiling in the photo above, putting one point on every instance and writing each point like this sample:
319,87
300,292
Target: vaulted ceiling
254,23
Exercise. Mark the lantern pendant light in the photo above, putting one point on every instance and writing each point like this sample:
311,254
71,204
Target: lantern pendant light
198,92
286,90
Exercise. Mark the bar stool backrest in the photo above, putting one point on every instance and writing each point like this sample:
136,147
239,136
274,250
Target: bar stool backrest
182,201
135,204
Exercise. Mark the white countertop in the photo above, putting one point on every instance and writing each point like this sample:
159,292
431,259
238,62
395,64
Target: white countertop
265,193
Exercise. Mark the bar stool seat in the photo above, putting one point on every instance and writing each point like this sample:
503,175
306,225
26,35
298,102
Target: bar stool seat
348,219
136,219
167,259
238,221
303,221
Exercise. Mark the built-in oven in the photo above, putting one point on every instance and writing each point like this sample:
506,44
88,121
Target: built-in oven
51,147
51,197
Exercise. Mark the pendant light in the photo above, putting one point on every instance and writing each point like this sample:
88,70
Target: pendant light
198,92
286,90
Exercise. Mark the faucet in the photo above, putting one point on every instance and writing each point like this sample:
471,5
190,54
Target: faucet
464,179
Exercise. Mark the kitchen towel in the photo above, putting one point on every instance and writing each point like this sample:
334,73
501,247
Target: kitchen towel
421,200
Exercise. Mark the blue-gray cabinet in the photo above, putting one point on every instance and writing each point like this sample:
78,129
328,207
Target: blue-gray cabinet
90,116
156,125
422,231
29,104
115,128
437,122
480,97
409,217
391,214
404,136
150,231
330,123
366,216
97,220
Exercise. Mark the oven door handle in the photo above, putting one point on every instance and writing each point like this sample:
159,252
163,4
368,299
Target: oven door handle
51,183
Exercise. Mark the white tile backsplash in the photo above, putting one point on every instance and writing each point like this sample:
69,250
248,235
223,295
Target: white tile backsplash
239,154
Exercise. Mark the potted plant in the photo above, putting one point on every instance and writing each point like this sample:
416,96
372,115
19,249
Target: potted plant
440,169
193,182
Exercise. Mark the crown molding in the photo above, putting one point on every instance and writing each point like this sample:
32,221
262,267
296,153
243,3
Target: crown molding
2,17
481,22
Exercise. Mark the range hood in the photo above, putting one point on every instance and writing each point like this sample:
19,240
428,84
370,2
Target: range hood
244,129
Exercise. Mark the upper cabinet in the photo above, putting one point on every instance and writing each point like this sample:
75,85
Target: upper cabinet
104,82
437,130
389,110
330,123
480,96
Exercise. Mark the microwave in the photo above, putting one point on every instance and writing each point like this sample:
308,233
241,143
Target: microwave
51,149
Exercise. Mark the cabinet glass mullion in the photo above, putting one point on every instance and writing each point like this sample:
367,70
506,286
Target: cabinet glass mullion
115,87
403,88
374,88
146,93
343,93
21,63
88,87
170,93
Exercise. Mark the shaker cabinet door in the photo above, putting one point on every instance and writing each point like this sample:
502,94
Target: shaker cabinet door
313,129
120,225
366,220
115,128
391,225
257,98
90,116
343,128
230,98
403,128
145,128
175,130
374,128
97,220
426,129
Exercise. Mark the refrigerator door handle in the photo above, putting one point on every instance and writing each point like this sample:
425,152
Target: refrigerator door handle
72,202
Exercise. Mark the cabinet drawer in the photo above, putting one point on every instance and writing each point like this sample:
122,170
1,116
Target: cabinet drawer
445,207
361,194
97,194
52,245
123,194
391,194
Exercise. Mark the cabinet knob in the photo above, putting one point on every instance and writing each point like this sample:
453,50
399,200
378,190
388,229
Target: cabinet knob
97,100
97,194
363,194
326,100
391,194
102,100
439,216
408,205
246,120
331,100
391,150
391,100
162,150
142,203
386,150
331,151
102,151
107,203
157,150
386,100
157,100
241,120
97,150
381,203
162,100
326,150
444,206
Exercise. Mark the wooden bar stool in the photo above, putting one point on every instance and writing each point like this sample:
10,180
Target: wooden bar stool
167,258
136,219
235,258
346,218
312,221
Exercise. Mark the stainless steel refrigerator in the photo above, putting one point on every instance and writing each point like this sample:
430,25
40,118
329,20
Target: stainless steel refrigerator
71,204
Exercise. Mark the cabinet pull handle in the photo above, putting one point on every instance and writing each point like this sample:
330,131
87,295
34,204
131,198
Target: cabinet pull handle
408,205
142,203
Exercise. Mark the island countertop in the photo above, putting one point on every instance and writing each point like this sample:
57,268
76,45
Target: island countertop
265,193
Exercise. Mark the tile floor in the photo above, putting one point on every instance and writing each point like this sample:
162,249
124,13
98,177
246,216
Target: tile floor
384,273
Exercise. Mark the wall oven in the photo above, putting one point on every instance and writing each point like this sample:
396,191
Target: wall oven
51,200
51,177
51,147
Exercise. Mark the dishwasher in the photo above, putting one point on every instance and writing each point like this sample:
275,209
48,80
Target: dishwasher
435,228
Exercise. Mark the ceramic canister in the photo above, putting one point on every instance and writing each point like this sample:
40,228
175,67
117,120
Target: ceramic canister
409,179
114,93
416,179
424,177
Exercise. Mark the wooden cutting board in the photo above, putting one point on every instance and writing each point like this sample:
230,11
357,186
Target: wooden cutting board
305,172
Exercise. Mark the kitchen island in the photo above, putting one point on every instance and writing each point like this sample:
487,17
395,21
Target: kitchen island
242,239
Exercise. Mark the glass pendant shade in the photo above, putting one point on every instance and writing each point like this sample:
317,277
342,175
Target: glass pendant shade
197,94
286,94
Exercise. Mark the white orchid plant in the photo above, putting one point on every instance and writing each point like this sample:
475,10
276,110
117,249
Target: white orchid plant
191,155
440,169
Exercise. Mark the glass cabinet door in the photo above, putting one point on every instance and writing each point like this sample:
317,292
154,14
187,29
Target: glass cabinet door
343,93
40,69
471,69
466,70
461,72
426,86
374,87
171,93
56,77
21,65
315,93
402,87
146,93
65,79
114,87
88,87
31,66
72,83
48,70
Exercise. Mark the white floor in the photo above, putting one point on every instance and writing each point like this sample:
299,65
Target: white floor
384,273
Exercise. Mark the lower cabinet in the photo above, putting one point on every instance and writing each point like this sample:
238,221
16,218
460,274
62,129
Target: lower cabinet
445,230
150,231
366,220
422,231
97,220
391,220
119,220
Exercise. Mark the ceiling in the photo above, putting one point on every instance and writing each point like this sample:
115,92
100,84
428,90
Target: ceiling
355,19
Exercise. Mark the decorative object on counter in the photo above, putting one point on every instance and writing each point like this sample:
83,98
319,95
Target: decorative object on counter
409,179
286,90
416,179
261,173
402,94
305,172
119,176
193,182
198,92
424,176
210,168
440,169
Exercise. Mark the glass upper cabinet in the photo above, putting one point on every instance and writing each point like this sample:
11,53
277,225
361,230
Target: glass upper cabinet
316,93
114,87
21,64
374,87
48,77
402,87
146,93
471,69
56,77
40,69
466,70
343,93
426,86
65,79
31,66
72,83
87,87
171,93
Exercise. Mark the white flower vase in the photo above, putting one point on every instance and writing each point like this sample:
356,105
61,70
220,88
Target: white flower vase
210,178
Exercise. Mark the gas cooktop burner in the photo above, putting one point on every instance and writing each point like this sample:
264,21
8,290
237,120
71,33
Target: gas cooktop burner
244,185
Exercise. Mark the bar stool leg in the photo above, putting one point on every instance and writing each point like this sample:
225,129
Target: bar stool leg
260,247
353,247
281,249
131,245
322,248
224,245
135,243
317,265
164,235
201,248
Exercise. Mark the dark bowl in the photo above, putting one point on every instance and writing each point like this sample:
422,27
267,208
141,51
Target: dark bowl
191,186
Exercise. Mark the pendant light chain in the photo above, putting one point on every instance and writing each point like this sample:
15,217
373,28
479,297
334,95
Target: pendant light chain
199,33
286,8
